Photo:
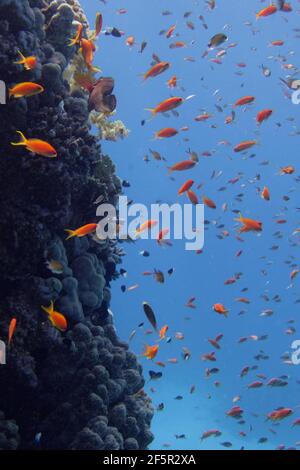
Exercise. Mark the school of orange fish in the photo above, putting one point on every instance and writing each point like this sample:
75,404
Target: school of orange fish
219,46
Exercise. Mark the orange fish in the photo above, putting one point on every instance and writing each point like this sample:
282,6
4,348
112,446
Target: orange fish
11,329
192,197
163,332
242,146
287,170
245,100
160,239
150,352
87,50
57,319
270,10
156,70
293,274
29,63
263,115
209,202
170,31
182,166
82,231
287,8
166,105
166,133
220,309
177,45
172,83
235,412
249,225
202,117
265,194
130,41
36,146
280,414
146,226
25,90
185,187
209,357
78,37
277,43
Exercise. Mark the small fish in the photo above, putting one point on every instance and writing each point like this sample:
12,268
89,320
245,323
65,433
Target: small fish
77,39
249,225
82,231
11,330
150,352
166,105
57,319
156,70
182,166
217,40
270,10
165,133
150,315
185,187
220,309
25,90
29,63
148,225
36,146
55,266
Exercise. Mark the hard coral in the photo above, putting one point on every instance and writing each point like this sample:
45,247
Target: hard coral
80,389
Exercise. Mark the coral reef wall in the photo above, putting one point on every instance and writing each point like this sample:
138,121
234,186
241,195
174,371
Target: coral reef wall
82,389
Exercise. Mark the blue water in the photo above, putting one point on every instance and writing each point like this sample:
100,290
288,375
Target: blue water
203,275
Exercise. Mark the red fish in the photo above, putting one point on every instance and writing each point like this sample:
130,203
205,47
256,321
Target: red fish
192,197
185,187
270,10
182,166
245,100
166,133
242,146
280,414
263,115
235,412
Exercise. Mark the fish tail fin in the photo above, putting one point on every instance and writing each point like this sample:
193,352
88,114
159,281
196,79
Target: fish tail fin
152,111
22,142
94,69
21,60
72,42
49,310
71,234
240,219
170,170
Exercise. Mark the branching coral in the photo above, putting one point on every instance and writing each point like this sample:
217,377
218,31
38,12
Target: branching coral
109,130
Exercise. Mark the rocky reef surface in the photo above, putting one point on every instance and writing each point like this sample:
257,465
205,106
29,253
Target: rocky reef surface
82,389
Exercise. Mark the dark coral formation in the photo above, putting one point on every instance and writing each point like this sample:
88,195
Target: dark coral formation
81,389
